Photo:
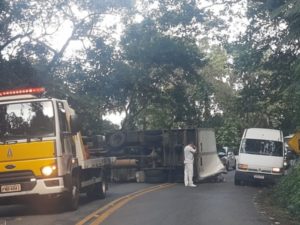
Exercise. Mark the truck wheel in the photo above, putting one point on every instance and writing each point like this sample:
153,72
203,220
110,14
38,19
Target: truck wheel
72,196
117,139
97,191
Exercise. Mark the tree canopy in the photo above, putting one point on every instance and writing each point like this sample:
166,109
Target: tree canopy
266,58
166,64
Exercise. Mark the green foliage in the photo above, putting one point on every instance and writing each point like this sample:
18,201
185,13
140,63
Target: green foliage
159,73
287,193
162,73
229,133
18,72
266,59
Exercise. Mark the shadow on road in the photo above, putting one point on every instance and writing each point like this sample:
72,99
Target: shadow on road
38,207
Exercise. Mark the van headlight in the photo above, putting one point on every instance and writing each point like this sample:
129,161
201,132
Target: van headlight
48,170
243,166
276,170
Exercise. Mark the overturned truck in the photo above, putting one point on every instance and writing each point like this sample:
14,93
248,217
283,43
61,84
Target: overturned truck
158,154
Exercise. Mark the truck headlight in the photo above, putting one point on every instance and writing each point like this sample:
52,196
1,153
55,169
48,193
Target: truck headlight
48,170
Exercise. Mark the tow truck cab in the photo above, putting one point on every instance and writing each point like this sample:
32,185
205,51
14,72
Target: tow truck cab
39,147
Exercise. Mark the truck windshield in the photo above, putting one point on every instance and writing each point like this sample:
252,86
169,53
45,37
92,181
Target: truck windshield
262,147
26,120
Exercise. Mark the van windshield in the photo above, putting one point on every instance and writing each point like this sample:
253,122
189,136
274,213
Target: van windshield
26,120
262,147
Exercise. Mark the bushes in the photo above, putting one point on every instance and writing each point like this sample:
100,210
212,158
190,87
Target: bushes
287,192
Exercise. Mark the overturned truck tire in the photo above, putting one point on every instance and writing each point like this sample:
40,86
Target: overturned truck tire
117,139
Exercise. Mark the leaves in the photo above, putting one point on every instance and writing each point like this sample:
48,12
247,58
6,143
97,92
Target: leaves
155,68
286,192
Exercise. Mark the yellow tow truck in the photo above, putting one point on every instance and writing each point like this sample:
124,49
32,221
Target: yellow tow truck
42,153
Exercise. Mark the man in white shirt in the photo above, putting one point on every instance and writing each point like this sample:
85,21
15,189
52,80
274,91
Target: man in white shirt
189,152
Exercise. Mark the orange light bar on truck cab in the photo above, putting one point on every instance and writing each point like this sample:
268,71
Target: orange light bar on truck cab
22,91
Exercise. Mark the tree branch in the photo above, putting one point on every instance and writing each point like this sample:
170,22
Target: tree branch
219,3
13,39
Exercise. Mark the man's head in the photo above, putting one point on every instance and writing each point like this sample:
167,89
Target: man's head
192,144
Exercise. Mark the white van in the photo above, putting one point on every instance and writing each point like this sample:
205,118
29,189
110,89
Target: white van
261,156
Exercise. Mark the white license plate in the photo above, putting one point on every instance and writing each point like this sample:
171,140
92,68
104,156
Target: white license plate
256,176
10,188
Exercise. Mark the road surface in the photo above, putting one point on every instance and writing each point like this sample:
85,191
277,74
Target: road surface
208,204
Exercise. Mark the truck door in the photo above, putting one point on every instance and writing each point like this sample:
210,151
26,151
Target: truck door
67,143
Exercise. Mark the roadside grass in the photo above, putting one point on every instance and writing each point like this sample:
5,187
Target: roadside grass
283,200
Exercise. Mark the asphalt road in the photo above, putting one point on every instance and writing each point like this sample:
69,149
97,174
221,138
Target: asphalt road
208,204
43,213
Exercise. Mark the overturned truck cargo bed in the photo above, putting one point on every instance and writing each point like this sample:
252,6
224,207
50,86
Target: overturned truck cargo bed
159,153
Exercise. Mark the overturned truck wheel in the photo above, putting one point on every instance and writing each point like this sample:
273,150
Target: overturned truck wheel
117,139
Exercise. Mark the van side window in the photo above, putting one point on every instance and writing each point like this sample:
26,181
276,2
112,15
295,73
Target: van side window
243,146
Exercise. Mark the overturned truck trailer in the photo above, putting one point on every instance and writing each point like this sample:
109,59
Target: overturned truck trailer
159,153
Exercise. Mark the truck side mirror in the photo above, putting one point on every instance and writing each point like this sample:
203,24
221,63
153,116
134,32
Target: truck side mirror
75,125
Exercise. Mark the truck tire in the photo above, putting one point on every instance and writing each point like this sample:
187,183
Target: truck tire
117,139
71,200
98,190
